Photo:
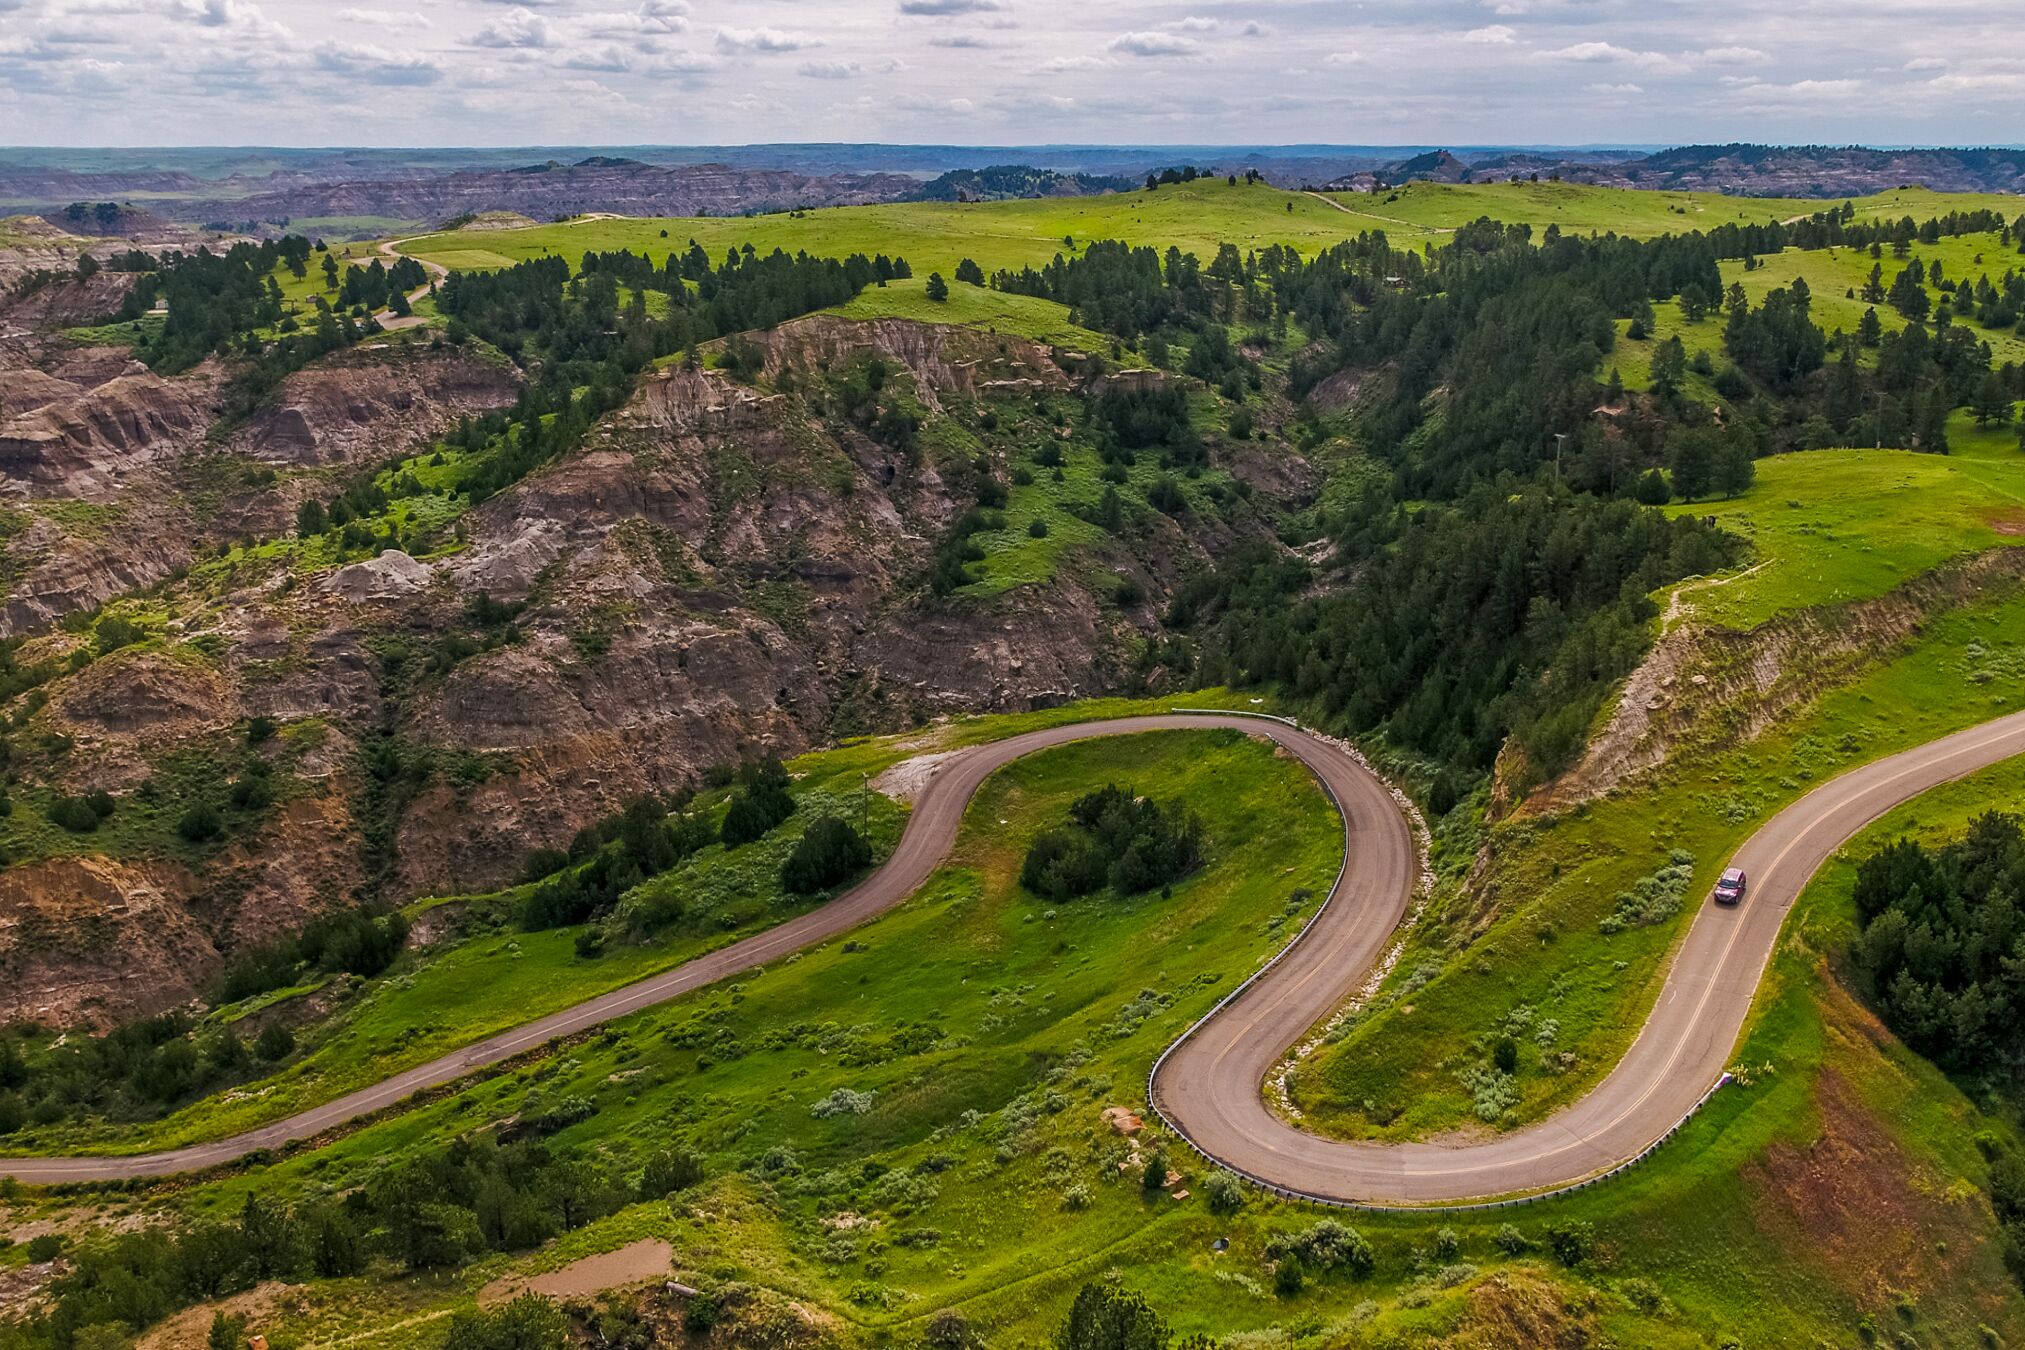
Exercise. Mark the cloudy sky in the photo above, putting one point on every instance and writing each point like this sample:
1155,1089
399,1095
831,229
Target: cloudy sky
516,72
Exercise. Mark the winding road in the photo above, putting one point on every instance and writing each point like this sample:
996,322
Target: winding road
1207,1086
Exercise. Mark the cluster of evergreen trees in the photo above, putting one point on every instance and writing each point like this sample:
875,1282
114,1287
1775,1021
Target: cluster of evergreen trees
1115,838
761,803
377,286
477,1195
133,1072
640,843
215,300
1943,944
1506,614
354,941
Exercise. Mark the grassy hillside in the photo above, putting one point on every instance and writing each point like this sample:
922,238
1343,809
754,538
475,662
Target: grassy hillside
1399,1071
1194,217
1828,526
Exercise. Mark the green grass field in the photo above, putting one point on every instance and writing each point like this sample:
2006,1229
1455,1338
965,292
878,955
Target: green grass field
1194,217
1021,316
1828,526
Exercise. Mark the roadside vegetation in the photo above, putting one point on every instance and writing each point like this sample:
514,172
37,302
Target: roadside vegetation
1580,423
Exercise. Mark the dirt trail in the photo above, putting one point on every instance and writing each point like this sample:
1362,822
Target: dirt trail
1373,215
391,250
634,1263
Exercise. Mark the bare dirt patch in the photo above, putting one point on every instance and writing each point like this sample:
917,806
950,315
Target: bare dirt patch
190,1329
2007,520
905,781
634,1263
1853,1202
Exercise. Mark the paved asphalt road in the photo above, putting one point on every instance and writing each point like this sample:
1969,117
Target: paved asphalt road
1209,1085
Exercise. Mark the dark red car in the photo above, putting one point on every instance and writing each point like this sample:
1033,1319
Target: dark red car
1730,886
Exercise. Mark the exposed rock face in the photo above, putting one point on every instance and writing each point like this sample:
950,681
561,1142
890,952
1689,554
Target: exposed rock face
1702,684
718,572
83,447
372,404
31,244
91,940
68,303
943,360
388,577
59,571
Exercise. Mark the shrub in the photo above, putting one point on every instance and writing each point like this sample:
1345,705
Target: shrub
74,814
700,1313
1226,1193
949,1329
1510,1240
1154,1178
1571,1242
200,822
1289,1275
1505,1054
1037,528
669,1172
829,851
530,1322
113,633
842,1102
1327,1246
44,1248
1447,1245
274,1042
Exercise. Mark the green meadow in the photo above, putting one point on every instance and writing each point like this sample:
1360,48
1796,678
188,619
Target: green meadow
1829,526
1195,217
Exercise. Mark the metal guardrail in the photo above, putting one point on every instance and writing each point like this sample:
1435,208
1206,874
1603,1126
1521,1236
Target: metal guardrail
1371,1206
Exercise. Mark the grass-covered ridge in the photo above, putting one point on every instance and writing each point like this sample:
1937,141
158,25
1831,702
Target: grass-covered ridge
1828,526
1195,217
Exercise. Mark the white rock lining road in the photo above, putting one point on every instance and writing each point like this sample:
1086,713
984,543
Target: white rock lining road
1207,1086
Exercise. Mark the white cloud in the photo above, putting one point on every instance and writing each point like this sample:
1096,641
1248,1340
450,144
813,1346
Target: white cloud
385,18
1155,44
1599,52
521,28
945,7
1919,63
1062,65
1344,59
1497,35
1735,56
763,40
1613,89
961,42
832,70
376,65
